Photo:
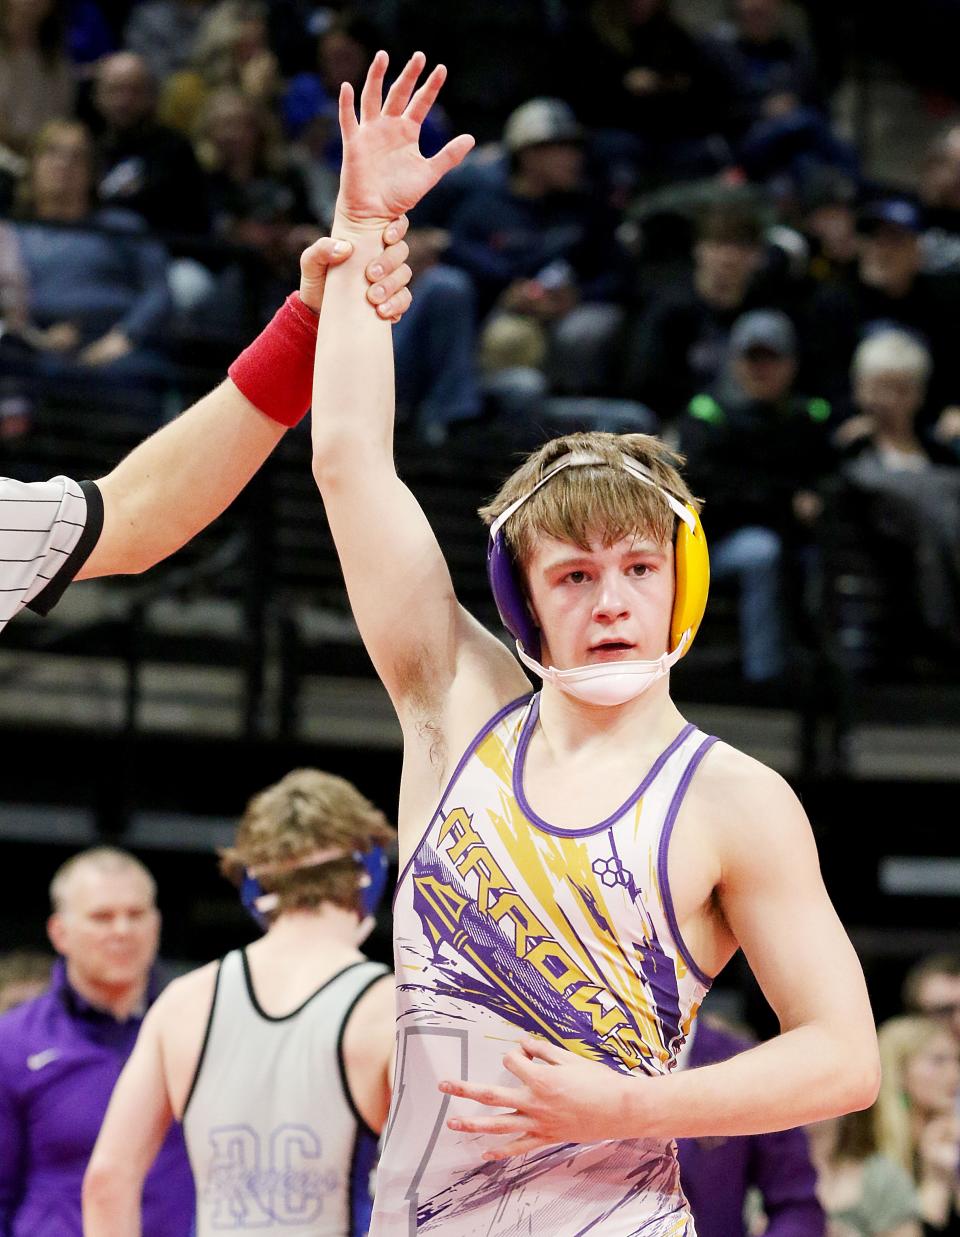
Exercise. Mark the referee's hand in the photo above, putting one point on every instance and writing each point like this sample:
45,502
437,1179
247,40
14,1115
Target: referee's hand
388,274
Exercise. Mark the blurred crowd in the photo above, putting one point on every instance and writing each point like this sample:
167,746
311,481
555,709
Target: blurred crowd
661,229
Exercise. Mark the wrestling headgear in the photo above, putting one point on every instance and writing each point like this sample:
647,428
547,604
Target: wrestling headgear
609,683
372,879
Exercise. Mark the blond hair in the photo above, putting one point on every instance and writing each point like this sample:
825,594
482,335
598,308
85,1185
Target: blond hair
305,812
893,351
108,859
592,500
900,1039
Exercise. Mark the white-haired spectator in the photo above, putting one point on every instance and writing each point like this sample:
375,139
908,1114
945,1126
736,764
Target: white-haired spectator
886,452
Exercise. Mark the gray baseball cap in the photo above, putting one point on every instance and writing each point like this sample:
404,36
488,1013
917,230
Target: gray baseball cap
763,328
539,121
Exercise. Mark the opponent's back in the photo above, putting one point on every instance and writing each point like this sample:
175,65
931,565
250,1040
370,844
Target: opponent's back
506,925
274,1138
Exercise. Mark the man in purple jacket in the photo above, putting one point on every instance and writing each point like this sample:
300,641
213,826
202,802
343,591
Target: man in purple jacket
61,1053
716,1173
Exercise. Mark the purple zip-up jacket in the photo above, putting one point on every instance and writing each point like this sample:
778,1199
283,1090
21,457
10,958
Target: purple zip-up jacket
59,1061
716,1173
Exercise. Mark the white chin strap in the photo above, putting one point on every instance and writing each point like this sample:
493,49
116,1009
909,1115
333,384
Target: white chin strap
607,683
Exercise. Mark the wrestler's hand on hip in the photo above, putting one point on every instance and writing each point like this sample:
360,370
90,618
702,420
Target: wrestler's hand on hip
562,1098
388,274
384,174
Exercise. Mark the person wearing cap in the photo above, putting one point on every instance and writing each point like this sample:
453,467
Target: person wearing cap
276,1059
756,451
578,863
891,288
542,253
678,345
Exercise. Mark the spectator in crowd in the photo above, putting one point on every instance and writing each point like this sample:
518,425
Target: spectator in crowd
231,48
756,451
61,1053
916,1114
24,974
681,341
864,1193
290,1040
36,78
636,69
909,477
96,281
164,33
778,120
257,198
828,221
932,988
541,250
143,165
890,288
718,1174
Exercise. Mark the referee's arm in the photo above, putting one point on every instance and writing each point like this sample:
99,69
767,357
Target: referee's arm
166,490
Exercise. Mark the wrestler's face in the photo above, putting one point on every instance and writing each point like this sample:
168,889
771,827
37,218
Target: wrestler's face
605,604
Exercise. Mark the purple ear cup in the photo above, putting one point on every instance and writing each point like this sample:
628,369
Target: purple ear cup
250,891
509,596
374,864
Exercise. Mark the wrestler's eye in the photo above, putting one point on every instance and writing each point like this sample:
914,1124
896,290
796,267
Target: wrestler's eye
575,577
640,569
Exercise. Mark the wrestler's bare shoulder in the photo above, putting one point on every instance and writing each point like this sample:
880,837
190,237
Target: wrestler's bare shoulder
187,997
735,791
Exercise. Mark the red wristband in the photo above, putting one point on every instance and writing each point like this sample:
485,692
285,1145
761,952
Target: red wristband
276,372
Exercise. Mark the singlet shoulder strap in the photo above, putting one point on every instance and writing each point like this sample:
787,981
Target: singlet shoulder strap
206,1033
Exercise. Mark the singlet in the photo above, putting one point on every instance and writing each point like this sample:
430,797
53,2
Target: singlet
275,1142
505,925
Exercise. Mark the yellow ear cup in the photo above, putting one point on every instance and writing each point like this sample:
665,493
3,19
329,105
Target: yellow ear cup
692,572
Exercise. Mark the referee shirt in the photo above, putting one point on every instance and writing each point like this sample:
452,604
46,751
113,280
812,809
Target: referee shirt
47,531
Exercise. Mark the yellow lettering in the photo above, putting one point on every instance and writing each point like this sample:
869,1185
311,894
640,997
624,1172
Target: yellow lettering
461,826
555,965
511,906
586,1000
489,874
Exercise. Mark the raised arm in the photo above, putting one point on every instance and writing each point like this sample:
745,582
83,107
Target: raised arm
179,480
422,644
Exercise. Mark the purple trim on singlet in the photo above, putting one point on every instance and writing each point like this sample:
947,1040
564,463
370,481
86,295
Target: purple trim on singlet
531,815
669,821
471,748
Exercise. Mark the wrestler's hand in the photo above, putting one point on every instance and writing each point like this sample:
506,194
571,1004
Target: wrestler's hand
562,1098
384,174
388,274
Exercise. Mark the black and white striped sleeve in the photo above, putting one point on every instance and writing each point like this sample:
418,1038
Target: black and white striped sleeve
47,530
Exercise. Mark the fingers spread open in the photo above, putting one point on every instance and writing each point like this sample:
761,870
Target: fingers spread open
399,94
371,96
348,115
452,154
426,96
